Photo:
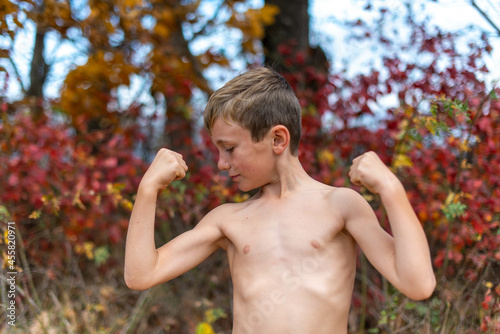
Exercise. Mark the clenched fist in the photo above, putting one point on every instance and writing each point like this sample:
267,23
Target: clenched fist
166,167
369,171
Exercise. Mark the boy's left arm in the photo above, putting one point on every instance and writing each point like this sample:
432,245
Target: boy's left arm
404,258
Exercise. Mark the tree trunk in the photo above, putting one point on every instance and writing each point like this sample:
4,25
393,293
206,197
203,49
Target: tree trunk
38,73
291,30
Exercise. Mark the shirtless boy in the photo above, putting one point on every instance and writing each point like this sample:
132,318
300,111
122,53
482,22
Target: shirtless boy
292,246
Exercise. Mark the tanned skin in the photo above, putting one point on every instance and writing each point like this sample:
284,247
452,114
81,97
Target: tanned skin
292,246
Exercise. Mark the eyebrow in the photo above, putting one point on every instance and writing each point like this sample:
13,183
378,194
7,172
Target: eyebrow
223,142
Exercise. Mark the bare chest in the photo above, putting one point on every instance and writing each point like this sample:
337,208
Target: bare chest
283,234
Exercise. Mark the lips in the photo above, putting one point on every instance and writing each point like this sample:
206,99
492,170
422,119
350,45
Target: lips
234,177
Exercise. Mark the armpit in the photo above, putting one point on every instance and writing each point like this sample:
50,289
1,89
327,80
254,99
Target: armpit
223,243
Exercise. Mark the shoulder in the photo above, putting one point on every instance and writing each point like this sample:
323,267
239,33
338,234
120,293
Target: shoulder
218,213
339,199
335,197
220,218
349,202
342,194
230,208
223,213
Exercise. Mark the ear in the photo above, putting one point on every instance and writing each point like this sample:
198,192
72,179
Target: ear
280,138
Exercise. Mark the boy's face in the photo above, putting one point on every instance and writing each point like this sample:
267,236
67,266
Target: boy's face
249,164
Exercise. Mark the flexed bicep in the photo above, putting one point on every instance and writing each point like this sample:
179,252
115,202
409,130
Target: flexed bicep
403,259
376,243
187,250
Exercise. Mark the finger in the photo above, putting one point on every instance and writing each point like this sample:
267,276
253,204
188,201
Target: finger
358,158
355,179
356,183
168,152
182,163
180,174
178,155
354,168
356,162
353,176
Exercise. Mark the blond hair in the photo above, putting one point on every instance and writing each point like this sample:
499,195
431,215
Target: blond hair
257,100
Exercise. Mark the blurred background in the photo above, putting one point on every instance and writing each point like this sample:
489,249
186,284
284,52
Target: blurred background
90,90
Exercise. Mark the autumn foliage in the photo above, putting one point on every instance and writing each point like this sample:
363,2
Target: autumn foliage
441,140
69,177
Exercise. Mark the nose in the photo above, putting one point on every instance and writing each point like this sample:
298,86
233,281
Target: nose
222,164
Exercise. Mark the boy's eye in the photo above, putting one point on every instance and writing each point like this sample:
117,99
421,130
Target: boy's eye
230,150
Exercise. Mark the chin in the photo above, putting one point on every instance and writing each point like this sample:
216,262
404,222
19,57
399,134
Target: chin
246,187
249,187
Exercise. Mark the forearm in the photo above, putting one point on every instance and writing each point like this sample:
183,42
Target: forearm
140,250
412,256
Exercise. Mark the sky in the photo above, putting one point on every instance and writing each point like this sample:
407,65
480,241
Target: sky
449,15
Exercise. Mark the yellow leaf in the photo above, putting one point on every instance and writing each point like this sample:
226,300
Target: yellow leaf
449,198
161,30
326,157
241,198
402,160
402,126
204,328
431,124
368,197
268,13
77,202
34,215
88,247
133,3
126,204
464,146
453,198
5,237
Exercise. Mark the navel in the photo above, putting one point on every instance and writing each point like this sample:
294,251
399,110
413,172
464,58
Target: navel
246,250
315,243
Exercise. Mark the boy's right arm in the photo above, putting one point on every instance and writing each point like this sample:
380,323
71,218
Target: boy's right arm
146,266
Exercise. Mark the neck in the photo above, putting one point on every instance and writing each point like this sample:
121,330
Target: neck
289,177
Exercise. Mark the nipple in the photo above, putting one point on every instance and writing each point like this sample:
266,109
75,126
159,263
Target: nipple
246,250
315,243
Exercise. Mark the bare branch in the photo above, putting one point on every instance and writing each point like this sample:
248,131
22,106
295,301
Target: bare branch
486,17
203,30
18,75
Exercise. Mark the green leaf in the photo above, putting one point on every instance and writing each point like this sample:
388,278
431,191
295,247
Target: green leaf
410,305
454,210
213,314
4,213
101,255
493,95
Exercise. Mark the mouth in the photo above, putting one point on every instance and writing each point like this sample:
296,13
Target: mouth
234,177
